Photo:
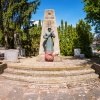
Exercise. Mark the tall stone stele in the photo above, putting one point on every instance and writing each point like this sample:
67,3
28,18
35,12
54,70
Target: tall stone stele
49,22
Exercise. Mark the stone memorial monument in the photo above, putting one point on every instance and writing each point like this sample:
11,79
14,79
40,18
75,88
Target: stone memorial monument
49,22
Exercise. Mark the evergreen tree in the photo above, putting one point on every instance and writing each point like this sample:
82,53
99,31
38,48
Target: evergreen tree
67,39
65,26
31,40
39,24
16,13
0,17
62,26
1,26
75,37
84,37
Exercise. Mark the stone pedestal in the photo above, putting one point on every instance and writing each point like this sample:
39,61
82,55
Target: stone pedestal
41,58
49,22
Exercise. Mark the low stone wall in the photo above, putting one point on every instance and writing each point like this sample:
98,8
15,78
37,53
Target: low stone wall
2,54
2,67
96,67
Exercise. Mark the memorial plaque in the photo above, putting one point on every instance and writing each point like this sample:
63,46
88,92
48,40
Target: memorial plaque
77,52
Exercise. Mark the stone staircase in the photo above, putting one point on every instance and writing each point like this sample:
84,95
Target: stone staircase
49,72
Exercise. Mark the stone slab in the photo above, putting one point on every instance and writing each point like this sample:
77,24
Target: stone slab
13,90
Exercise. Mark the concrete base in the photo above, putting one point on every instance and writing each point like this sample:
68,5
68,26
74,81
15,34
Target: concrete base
41,58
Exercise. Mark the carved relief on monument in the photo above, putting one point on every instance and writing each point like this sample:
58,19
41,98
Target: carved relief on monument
49,23
49,14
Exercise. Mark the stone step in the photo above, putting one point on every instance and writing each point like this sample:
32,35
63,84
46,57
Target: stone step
46,80
49,73
50,67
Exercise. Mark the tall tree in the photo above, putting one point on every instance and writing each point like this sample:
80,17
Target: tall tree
84,37
92,9
1,26
68,39
39,25
31,40
0,16
75,37
62,26
17,14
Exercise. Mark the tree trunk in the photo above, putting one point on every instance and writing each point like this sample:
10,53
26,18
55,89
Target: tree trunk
6,40
1,25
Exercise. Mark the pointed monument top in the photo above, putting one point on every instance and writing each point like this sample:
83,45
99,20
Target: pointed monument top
49,10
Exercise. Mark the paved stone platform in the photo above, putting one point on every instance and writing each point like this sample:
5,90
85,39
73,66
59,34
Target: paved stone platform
79,90
68,70
15,90
67,62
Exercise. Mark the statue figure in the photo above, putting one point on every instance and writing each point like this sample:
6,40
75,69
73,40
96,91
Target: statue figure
48,45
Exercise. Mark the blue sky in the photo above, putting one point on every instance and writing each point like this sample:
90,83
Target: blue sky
68,10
